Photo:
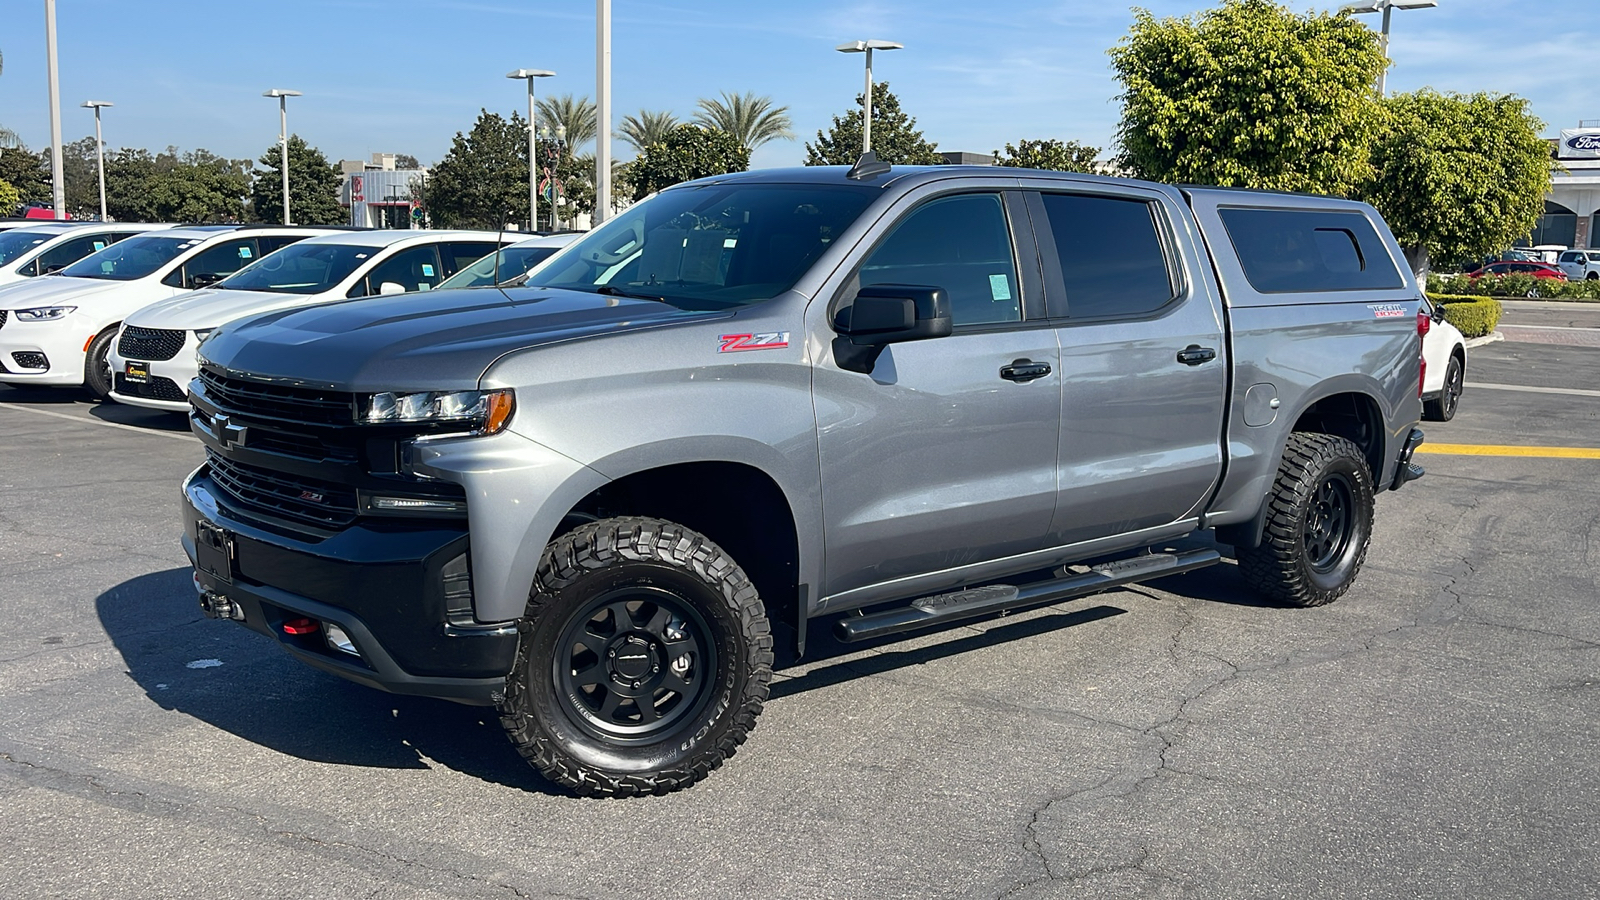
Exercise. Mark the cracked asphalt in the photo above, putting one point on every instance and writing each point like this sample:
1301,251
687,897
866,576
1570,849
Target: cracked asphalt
1432,734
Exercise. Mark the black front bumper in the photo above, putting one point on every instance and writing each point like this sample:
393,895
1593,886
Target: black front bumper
381,582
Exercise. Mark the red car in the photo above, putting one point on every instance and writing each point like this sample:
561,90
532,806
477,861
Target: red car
1513,267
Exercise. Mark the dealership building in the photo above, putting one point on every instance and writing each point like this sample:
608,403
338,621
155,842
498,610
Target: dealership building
1572,209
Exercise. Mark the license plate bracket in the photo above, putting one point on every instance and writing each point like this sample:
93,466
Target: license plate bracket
137,372
214,551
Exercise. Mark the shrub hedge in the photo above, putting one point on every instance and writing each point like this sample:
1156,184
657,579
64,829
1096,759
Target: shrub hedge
1472,316
1513,286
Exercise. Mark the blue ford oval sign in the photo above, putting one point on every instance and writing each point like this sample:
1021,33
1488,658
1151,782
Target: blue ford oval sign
1588,143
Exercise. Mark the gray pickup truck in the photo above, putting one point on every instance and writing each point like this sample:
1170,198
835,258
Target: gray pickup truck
884,398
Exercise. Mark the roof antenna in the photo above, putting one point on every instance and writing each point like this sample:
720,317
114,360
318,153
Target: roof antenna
868,166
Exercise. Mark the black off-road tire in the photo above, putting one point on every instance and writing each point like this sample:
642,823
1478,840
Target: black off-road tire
1443,407
686,608
97,379
1319,523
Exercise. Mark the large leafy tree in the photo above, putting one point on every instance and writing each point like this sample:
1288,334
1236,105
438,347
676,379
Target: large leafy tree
197,186
576,115
483,181
751,119
28,172
647,128
687,153
895,138
10,197
313,187
1249,94
1059,156
1459,176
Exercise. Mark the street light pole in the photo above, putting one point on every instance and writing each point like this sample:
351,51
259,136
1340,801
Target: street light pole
58,178
1386,7
533,161
99,150
866,107
283,140
602,137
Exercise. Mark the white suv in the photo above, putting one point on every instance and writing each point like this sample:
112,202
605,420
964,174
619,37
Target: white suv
47,247
153,360
1580,265
58,330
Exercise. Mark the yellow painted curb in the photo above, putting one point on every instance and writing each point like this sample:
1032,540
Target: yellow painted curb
1505,450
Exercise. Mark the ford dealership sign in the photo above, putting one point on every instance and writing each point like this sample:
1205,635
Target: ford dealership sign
1580,144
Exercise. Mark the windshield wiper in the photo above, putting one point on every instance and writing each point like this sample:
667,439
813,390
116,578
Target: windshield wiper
611,291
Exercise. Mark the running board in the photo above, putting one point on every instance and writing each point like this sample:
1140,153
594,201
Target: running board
980,601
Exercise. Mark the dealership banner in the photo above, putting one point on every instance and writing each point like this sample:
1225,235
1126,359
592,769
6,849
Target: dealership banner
1580,143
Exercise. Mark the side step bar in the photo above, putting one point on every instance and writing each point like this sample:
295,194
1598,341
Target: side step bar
980,601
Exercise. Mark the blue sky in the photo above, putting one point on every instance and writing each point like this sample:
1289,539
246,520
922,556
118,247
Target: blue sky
406,75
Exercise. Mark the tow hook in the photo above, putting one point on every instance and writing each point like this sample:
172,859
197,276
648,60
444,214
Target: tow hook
217,606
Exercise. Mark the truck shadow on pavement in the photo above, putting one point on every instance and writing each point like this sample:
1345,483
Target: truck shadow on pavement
239,681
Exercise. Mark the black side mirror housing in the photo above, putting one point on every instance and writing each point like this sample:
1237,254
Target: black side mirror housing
883,314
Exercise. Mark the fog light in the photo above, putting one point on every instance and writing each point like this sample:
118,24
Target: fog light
340,641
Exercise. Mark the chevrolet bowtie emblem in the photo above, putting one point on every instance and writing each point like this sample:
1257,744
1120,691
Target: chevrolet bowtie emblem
232,436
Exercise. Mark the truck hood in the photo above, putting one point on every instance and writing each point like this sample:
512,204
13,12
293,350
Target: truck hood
211,308
52,290
439,340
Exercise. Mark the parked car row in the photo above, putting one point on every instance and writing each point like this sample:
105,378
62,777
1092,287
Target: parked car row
120,308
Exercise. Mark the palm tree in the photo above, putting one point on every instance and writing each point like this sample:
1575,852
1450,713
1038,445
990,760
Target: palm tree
8,138
575,115
751,119
647,128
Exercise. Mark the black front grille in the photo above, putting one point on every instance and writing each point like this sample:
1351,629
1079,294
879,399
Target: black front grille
157,388
282,494
29,359
153,344
275,401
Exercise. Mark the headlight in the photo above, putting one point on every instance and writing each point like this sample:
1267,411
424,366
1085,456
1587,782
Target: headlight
201,334
44,313
487,412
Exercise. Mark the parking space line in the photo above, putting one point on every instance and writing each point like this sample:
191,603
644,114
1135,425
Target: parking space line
1508,450
1574,392
92,421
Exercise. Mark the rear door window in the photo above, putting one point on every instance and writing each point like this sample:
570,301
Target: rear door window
1114,261
1308,250
457,255
961,244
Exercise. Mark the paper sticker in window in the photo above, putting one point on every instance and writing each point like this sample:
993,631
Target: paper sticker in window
999,288
244,252
99,245
427,270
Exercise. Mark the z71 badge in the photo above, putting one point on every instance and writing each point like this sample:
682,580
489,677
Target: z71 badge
767,340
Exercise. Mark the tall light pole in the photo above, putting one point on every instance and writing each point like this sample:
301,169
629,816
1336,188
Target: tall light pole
866,110
1386,7
58,177
602,135
99,149
533,161
283,140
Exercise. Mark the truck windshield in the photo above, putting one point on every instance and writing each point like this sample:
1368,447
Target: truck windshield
133,258
711,247
303,268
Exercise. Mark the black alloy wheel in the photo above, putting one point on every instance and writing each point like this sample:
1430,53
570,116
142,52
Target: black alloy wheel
1443,408
1328,521
97,379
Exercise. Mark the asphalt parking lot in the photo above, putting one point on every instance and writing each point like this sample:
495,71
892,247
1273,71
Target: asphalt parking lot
1432,734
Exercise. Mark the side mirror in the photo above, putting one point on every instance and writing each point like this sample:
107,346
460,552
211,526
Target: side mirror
883,314
391,287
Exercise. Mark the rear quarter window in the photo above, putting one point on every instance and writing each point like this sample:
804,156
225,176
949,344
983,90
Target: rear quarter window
1287,251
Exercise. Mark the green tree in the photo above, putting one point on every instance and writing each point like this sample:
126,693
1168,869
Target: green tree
483,181
646,128
82,179
313,187
197,186
1059,156
10,198
687,153
1249,94
752,120
895,138
1459,176
574,117
28,172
